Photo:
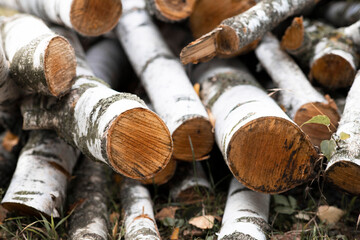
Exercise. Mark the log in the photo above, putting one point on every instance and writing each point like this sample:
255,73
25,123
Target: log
298,96
115,128
39,183
90,217
164,176
340,13
170,10
87,17
343,169
165,82
246,214
245,116
236,32
139,218
7,164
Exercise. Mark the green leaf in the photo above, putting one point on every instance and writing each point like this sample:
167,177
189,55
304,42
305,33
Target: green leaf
293,202
344,136
319,119
281,200
328,148
284,210
168,222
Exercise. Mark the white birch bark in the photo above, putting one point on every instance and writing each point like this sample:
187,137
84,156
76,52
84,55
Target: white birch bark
39,183
139,219
353,32
246,214
162,76
341,13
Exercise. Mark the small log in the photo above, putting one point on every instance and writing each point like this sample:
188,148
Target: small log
343,169
170,10
115,128
40,179
245,116
90,217
236,32
298,96
166,83
87,17
246,214
7,164
164,176
340,13
139,218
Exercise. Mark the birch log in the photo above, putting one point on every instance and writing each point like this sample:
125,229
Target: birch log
89,221
164,176
88,17
7,164
139,219
340,13
115,128
166,82
40,61
236,32
246,214
343,168
300,99
170,10
245,116
40,179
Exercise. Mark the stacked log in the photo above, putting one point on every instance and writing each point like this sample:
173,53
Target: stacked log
170,11
340,13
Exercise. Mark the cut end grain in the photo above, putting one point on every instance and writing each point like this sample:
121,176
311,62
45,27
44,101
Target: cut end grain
345,175
175,10
271,155
59,66
294,35
139,144
95,17
202,139
164,176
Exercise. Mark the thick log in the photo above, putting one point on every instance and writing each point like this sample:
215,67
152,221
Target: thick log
246,214
245,116
343,167
88,17
139,219
90,217
298,96
164,176
166,82
340,13
170,10
7,164
39,183
115,128
236,32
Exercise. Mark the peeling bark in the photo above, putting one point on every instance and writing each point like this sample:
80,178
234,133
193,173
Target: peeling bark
138,211
166,82
112,127
170,10
343,168
298,96
39,183
236,32
340,13
90,217
245,116
88,17
246,213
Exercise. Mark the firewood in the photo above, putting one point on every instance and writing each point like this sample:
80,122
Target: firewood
90,217
139,219
297,95
245,116
115,128
39,183
340,13
88,17
166,83
170,10
7,164
236,32
246,214
164,176
343,167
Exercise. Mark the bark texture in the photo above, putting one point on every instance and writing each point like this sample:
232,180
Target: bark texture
245,116
340,13
170,10
89,221
298,96
246,214
166,82
139,219
343,168
39,183
236,32
88,17
112,127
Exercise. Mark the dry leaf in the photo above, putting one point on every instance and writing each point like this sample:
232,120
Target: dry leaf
203,222
3,213
302,216
197,88
175,234
114,217
167,212
10,140
115,230
329,214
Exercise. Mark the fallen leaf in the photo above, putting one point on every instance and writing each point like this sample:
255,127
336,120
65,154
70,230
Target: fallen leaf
302,216
167,212
175,234
10,140
3,213
114,217
344,136
197,88
203,222
329,214
115,230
